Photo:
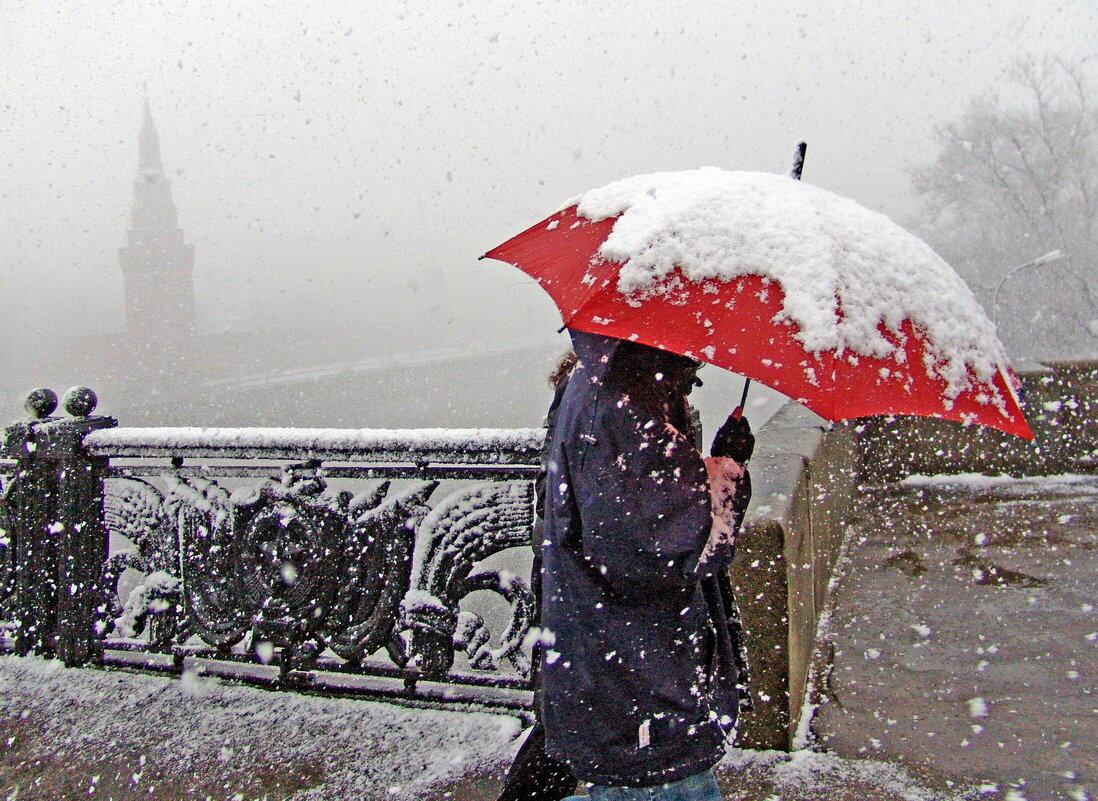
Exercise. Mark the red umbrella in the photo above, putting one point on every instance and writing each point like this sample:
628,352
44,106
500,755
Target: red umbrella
742,322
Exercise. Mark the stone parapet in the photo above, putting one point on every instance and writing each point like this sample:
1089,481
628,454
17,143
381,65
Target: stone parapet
803,475
806,473
1060,402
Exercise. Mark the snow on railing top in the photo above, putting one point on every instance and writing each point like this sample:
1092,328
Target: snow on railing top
417,445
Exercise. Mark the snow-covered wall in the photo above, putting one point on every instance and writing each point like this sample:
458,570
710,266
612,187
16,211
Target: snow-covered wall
1060,401
803,474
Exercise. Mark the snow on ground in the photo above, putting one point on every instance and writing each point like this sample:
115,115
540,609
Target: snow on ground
83,732
131,734
844,270
813,775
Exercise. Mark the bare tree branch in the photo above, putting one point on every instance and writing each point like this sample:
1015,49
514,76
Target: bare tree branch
1017,176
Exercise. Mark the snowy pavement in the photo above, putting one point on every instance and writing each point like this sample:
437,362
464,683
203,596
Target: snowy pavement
964,634
87,733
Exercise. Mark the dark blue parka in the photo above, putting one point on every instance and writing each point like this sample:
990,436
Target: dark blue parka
639,677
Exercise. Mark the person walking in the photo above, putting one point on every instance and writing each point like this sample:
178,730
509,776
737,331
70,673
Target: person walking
641,674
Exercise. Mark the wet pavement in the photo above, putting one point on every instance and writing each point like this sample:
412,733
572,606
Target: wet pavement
962,635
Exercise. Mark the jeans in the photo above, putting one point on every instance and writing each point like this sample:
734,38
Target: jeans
699,787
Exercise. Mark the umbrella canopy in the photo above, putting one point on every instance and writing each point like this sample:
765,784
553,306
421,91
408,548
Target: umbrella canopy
807,292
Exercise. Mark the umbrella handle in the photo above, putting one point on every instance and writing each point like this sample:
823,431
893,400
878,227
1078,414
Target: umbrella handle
737,413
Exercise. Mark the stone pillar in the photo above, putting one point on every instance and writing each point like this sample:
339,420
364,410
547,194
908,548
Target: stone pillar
55,511
29,504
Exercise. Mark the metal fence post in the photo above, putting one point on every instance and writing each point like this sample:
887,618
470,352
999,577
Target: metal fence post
55,508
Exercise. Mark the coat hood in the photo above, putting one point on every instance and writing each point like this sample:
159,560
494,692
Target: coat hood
648,375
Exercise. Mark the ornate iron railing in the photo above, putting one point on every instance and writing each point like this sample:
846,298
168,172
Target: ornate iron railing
388,563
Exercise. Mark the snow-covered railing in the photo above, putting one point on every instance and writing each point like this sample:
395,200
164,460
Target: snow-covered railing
344,560
418,446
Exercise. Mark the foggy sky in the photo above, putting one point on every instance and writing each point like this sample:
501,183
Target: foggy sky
346,165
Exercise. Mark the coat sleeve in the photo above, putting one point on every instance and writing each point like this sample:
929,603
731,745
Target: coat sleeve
644,504
730,490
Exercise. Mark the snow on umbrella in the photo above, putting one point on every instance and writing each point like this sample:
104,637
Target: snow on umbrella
788,284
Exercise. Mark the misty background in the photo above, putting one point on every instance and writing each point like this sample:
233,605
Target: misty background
339,169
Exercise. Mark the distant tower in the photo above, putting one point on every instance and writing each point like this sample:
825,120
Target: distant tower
157,266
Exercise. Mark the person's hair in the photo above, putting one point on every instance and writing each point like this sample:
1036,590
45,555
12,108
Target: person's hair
564,366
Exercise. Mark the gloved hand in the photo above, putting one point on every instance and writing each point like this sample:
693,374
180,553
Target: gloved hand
734,439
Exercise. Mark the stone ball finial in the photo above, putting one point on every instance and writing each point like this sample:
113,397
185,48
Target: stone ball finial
80,401
40,402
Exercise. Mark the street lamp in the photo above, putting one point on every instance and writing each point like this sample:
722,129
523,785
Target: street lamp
1040,261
